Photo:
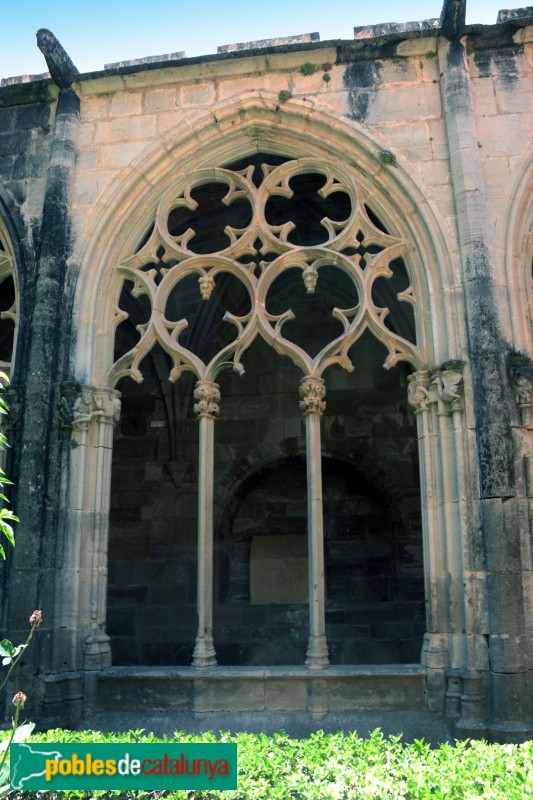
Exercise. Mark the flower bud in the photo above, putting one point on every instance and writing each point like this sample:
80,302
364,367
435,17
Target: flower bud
19,699
36,618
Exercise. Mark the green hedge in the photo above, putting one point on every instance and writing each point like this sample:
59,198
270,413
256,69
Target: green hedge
341,767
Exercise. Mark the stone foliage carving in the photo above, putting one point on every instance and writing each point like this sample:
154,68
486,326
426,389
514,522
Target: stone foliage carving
312,392
207,396
257,254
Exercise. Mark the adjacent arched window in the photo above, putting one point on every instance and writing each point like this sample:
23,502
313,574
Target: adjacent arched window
8,303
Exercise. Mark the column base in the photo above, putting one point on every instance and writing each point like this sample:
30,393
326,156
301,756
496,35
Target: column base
97,653
317,652
204,653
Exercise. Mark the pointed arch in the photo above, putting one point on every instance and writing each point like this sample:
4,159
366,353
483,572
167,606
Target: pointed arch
9,301
119,226
240,128
514,242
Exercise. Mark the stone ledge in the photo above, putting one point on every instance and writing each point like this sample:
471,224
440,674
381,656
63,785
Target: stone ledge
270,691
260,673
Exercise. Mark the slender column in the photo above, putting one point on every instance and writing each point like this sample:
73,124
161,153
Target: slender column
106,413
81,594
420,399
454,598
207,396
435,647
75,415
312,392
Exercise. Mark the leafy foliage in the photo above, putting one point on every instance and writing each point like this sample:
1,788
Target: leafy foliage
340,767
6,515
308,68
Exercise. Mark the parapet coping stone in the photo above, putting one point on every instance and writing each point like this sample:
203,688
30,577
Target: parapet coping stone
333,672
13,88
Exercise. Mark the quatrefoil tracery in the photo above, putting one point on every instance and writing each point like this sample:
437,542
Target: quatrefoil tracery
257,254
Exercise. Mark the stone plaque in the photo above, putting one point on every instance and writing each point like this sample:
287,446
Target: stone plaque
278,569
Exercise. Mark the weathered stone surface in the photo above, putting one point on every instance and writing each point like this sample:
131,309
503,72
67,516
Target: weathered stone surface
59,63
386,28
452,19
426,516
284,40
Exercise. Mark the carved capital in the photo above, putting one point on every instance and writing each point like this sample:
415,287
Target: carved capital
443,386
106,408
82,410
419,395
207,396
79,405
448,383
521,375
312,392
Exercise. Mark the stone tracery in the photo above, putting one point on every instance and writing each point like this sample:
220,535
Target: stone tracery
256,254
297,216
8,315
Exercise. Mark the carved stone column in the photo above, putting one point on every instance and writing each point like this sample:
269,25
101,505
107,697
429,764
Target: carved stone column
207,396
81,594
421,397
106,413
312,404
446,384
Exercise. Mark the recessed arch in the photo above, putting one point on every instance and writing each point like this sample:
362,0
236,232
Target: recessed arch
245,127
514,246
396,205
9,302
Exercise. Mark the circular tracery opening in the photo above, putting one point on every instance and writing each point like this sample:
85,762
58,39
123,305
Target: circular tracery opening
254,218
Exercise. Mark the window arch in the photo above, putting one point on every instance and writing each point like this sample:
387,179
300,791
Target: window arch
263,223
9,305
290,253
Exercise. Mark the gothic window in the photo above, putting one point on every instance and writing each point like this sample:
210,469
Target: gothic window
8,306
243,265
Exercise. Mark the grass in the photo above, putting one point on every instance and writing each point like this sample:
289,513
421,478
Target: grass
339,767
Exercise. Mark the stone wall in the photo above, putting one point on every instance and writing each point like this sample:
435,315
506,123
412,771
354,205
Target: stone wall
438,132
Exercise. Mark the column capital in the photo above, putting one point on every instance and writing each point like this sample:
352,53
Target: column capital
418,394
447,383
79,405
107,406
207,396
312,392
442,386
521,377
